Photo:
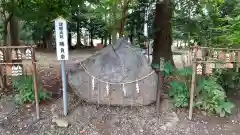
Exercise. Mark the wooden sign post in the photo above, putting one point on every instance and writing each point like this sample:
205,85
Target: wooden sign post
62,55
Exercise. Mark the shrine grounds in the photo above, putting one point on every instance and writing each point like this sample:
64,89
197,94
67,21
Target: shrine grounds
89,119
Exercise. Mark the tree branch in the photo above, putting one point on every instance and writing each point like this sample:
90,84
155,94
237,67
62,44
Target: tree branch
8,18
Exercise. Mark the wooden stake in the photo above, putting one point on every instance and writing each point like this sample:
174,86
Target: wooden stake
238,60
194,66
159,90
159,85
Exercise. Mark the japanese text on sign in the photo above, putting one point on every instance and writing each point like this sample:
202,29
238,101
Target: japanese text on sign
61,39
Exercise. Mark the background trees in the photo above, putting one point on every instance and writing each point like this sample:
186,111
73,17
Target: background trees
211,22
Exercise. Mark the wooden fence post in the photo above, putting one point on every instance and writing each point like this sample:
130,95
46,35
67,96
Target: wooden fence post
159,84
194,66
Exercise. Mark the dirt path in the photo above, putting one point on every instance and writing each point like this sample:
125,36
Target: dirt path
85,119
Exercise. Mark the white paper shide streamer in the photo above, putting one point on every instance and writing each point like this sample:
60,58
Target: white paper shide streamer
108,84
107,88
93,83
124,90
137,87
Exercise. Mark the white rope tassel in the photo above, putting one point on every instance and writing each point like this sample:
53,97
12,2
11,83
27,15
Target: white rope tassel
107,88
137,87
93,83
124,90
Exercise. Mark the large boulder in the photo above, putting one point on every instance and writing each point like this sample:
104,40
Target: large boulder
115,65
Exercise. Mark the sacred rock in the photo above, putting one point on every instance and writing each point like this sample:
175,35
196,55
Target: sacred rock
118,74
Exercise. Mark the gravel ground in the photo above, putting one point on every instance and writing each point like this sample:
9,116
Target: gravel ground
86,119
89,119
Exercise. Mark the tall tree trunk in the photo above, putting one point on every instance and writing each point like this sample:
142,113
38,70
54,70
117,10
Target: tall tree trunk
138,27
131,38
13,40
110,39
78,34
105,32
114,20
163,32
91,39
105,41
70,39
132,30
48,39
44,40
123,19
13,26
105,38
6,30
14,31
5,33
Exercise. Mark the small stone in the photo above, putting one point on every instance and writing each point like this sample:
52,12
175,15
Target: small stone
53,109
163,128
55,116
206,131
60,122
204,113
28,105
52,126
83,131
169,125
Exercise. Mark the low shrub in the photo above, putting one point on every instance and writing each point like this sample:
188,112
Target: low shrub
24,88
210,95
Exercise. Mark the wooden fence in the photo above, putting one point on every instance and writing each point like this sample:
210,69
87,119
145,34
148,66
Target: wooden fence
17,61
205,59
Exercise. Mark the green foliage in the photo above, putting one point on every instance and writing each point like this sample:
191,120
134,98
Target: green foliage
179,94
209,94
211,97
184,72
228,78
213,23
24,88
208,21
179,88
168,68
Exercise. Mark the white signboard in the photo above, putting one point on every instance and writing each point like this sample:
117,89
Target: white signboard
61,38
